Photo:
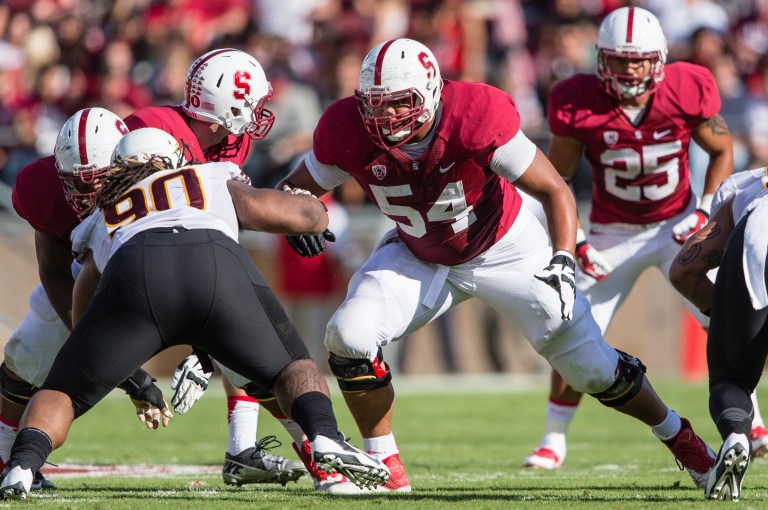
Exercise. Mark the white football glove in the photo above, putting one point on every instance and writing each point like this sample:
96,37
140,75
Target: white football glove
560,274
190,380
591,261
694,221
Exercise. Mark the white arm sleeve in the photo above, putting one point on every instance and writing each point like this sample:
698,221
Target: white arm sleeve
326,176
513,158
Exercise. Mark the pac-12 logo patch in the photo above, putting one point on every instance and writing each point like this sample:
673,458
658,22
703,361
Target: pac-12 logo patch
610,137
380,171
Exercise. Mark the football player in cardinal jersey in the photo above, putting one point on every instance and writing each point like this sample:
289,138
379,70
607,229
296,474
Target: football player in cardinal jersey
736,241
633,120
133,299
49,193
444,160
222,113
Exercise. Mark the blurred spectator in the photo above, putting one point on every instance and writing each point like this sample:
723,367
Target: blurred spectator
297,109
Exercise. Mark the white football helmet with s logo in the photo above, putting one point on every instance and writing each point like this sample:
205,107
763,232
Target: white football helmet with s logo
402,73
144,144
228,87
83,152
631,32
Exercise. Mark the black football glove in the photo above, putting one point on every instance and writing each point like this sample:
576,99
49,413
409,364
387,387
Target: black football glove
310,245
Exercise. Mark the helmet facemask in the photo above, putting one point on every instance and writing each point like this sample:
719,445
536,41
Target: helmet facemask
80,186
390,131
626,86
262,119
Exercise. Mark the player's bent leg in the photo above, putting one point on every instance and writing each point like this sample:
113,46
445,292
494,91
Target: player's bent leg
561,408
246,462
301,388
16,394
368,392
618,380
44,427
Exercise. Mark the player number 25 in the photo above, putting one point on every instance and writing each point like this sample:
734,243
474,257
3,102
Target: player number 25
450,205
637,164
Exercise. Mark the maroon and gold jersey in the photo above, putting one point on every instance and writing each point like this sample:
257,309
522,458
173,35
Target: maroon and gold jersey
640,174
171,119
38,197
448,204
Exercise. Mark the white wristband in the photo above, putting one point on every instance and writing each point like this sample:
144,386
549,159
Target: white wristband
565,253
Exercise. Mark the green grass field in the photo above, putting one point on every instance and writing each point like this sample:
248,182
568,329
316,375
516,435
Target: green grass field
462,451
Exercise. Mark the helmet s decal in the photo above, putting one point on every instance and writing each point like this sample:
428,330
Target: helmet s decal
242,87
120,125
428,65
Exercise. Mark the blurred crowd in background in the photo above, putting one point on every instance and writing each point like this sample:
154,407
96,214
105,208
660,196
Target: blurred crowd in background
58,56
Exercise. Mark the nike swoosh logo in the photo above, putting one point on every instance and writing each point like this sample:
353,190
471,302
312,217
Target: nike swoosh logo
661,134
443,170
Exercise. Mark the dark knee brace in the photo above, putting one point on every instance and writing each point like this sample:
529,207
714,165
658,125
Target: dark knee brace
13,389
360,374
255,391
629,382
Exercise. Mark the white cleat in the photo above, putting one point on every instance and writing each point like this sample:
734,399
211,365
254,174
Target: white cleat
543,458
732,462
16,482
339,456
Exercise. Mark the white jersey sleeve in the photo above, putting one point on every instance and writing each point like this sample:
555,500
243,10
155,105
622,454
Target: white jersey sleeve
326,176
512,159
735,185
91,235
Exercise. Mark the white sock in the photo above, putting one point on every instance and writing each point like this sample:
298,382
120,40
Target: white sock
8,433
292,428
243,420
757,421
668,428
559,417
381,447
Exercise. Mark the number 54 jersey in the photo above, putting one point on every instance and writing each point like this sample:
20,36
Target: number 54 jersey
448,204
640,173
193,197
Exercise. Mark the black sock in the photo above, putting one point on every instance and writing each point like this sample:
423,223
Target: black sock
730,408
31,448
313,412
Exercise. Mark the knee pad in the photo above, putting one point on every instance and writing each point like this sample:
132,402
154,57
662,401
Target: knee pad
629,382
360,374
14,389
255,391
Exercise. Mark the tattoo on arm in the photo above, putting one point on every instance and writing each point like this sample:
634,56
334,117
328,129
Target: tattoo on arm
691,253
717,125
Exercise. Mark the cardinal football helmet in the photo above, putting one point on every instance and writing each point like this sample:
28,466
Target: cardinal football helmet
631,32
83,152
228,87
144,144
400,72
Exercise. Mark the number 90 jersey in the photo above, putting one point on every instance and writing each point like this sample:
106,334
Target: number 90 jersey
448,204
193,197
640,173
